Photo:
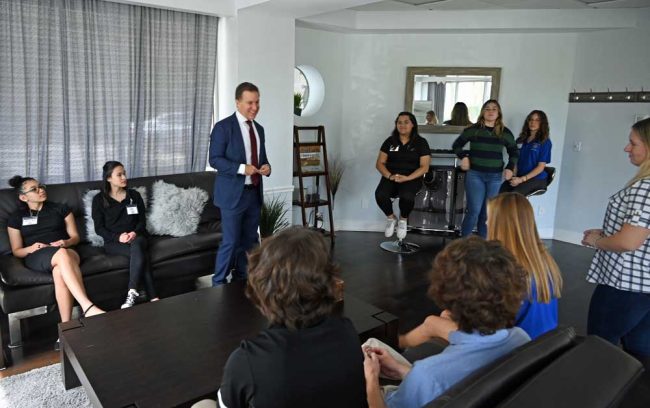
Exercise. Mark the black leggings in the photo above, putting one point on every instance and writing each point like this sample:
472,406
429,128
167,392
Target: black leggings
405,191
137,252
524,188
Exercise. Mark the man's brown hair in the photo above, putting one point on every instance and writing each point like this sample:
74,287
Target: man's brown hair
480,283
245,86
291,278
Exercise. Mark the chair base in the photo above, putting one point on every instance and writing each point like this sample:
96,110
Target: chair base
400,247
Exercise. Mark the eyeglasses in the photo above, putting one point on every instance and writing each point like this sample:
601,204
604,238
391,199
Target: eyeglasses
35,189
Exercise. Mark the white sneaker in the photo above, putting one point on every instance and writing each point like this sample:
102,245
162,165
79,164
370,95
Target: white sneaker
390,227
401,229
131,296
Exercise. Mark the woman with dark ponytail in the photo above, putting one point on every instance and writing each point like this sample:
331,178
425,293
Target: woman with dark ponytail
119,217
42,234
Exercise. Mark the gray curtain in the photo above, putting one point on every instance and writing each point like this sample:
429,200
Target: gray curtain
86,81
439,101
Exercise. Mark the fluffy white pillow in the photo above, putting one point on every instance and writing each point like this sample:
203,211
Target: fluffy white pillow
175,211
91,235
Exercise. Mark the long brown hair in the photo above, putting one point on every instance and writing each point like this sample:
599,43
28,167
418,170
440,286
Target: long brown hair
511,221
498,124
542,134
642,127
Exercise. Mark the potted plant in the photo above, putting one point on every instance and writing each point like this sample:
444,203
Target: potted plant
273,216
297,103
336,169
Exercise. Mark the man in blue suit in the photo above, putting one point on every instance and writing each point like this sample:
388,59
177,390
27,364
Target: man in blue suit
238,153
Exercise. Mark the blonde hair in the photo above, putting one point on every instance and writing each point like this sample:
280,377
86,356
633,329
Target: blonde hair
511,221
498,124
642,127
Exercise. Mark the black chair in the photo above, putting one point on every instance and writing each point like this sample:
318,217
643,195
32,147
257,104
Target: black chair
550,173
558,369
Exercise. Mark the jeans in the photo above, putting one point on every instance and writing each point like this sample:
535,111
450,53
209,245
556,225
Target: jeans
619,316
479,187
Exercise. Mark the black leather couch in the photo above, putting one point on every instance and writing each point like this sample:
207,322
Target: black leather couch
175,262
556,370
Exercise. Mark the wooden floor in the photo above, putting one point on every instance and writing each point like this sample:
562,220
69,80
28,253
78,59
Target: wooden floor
396,284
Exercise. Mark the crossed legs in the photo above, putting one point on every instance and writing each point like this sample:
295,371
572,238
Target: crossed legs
68,284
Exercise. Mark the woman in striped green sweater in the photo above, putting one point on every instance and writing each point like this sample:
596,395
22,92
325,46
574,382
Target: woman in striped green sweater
484,163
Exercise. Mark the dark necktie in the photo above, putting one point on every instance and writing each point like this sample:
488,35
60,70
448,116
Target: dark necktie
255,178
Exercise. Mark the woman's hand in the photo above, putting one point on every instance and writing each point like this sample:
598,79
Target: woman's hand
515,181
399,178
591,236
124,238
36,246
60,243
507,174
464,164
131,236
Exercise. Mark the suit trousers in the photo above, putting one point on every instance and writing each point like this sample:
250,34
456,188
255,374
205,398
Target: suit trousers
239,226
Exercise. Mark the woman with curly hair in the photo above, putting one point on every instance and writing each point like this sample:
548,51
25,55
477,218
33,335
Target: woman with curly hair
307,357
480,286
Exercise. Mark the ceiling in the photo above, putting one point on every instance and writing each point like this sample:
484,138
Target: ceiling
403,5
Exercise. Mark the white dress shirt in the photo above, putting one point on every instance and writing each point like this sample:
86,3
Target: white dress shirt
247,144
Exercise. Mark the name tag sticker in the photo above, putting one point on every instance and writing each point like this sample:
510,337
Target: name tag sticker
131,209
30,220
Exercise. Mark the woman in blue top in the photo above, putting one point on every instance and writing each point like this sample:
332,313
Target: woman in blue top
511,220
534,155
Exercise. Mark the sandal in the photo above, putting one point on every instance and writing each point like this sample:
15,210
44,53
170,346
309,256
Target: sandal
89,307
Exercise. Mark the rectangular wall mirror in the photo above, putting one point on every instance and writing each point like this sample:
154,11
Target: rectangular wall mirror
439,89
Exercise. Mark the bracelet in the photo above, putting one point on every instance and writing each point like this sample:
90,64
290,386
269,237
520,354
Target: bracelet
596,241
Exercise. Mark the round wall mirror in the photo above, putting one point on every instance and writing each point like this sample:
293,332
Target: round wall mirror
308,90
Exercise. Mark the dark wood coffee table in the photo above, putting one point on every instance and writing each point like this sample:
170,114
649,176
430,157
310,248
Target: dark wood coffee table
172,352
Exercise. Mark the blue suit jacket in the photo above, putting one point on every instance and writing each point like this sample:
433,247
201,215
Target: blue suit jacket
227,152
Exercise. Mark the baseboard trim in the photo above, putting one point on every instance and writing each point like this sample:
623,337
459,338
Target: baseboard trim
279,190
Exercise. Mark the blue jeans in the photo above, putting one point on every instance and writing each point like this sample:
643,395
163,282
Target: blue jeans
479,187
619,316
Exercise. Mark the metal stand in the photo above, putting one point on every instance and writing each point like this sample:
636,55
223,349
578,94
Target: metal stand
400,247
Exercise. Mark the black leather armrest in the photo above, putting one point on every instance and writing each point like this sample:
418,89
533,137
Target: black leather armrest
593,374
491,384
14,273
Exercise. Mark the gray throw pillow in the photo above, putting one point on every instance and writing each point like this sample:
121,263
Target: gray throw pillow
92,237
175,211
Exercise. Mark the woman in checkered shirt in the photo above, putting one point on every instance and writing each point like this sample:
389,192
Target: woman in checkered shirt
619,310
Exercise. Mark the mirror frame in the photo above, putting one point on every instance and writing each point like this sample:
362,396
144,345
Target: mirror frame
494,72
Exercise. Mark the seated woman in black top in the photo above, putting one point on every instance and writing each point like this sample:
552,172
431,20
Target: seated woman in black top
119,217
403,159
307,357
41,233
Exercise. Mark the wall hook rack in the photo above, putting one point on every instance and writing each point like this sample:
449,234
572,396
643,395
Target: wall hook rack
609,96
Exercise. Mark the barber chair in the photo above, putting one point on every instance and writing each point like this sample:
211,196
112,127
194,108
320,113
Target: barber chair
550,173
399,246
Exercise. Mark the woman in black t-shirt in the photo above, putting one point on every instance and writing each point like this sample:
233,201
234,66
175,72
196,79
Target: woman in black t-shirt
41,233
119,217
403,159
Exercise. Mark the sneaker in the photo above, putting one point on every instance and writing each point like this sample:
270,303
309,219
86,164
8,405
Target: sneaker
390,227
401,229
130,298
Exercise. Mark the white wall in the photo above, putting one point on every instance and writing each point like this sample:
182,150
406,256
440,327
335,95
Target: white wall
266,58
608,59
536,74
